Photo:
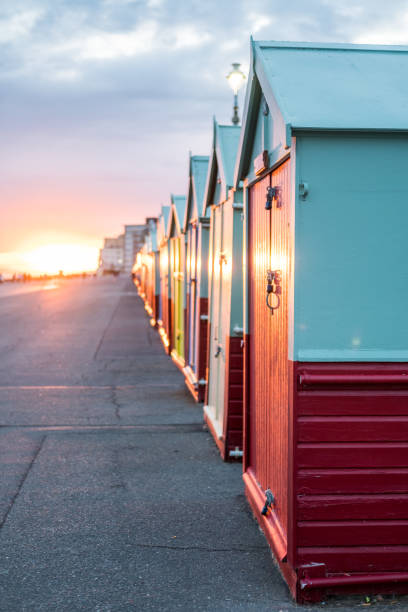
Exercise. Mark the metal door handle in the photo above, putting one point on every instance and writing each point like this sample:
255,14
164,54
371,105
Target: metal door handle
273,286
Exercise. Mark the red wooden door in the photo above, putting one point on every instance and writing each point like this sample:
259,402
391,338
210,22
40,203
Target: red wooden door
269,249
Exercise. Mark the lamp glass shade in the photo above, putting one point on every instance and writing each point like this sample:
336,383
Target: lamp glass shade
236,78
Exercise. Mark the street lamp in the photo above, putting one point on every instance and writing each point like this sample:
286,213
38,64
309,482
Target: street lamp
236,79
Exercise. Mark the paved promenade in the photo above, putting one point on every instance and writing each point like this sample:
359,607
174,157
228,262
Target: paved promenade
112,495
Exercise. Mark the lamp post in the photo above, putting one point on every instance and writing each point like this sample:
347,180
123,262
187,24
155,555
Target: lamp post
235,79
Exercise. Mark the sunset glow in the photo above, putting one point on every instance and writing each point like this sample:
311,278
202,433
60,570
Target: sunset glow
68,258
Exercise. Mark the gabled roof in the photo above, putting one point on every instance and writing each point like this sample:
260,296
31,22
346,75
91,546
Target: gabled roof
177,212
198,166
165,211
163,222
222,161
329,86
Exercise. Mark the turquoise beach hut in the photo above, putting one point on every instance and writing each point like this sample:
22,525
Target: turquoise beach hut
323,162
196,284
177,250
224,402
164,318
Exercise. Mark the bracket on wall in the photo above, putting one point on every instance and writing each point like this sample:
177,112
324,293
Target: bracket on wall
303,190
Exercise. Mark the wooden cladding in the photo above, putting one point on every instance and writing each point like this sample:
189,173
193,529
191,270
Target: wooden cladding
343,481
352,379
191,297
351,466
329,439
177,298
165,326
269,248
202,348
233,401
352,429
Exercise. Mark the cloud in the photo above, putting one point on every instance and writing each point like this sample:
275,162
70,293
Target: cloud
112,45
395,33
354,11
231,45
146,38
66,75
78,36
259,22
155,3
18,25
187,36
100,97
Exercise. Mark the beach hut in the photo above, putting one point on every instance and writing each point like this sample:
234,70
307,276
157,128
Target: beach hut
139,269
224,402
323,156
150,272
164,318
196,229
177,249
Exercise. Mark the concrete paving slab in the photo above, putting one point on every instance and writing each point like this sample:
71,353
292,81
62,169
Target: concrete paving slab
112,495
18,450
96,504
98,405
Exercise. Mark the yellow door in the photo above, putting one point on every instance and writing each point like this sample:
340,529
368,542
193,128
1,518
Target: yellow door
178,303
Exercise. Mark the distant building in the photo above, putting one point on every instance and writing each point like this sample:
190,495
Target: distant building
112,255
134,238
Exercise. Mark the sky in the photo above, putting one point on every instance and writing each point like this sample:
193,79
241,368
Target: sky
101,100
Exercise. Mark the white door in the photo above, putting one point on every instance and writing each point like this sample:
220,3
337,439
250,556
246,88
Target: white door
218,333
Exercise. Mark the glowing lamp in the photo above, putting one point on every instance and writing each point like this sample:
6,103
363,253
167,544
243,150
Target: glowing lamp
236,79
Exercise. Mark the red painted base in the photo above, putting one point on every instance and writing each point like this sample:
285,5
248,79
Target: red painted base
233,398
347,483
156,309
202,343
201,394
231,444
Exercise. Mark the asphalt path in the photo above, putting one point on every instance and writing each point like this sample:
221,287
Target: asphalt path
112,494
